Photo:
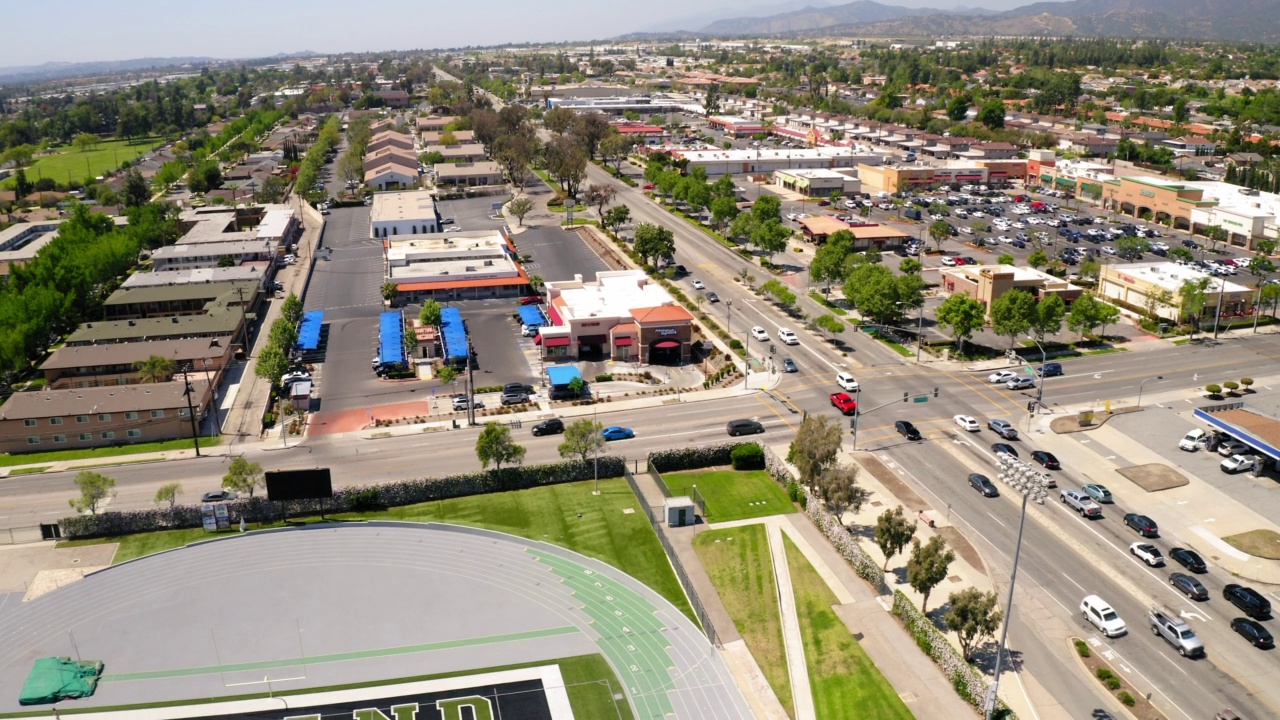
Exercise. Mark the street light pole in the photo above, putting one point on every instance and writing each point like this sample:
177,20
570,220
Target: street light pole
1144,382
1008,610
1040,385
1217,314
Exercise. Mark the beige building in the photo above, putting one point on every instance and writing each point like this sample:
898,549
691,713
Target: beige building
475,174
985,283
817,182
1157,286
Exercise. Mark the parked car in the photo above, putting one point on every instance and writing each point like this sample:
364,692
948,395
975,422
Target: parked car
967,423
1081,503
787,337
218,496
515,398
1237,464
513,387
1250,601
462,402
1193,440
983,484
1253,631
788,365
1004,449
1001,376
1102,616
554,426
1046,460
907,430
744,427
1188,586
1189,559
760,334
844,403
846,381
1098,492
1141,524
1233,447
615,432
1147,553
1003,428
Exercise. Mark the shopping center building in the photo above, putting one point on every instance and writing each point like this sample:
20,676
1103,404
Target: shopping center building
1144,287
623,315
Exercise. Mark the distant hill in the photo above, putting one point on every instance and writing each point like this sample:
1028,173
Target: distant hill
701,19
814,18
54,70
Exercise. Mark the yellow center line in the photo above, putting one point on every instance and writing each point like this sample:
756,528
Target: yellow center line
774,410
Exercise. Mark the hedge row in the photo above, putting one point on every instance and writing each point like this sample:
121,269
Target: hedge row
692,458
350,499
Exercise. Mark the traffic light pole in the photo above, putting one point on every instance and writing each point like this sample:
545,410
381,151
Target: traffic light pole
857,410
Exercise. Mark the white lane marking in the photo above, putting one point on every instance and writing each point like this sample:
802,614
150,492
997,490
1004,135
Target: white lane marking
993,517
1073,582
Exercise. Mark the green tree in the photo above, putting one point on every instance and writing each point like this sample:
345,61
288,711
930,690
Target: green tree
991,114
1270,295
770,236
155,369
496,446
168,493
243,476
582,440
85,141
135,189
616,216
963,315
599,196
291,309
1048,318
272,190
910,266
430,313
1037,259
283,334
1012,314
1083,317
1192,297
446,374
1216,235
272,364
958,108
1175,253
520,207
893,532
873,290
389,290
837,486
928,566
723,210
973,617
1107,314
815,448
654,242
95,489
1005,259
829,324
939,230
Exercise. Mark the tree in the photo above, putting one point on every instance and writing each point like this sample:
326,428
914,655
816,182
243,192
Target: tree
838,488
18,155
351,167
272,364
566,162
558,120
588,130
168,494
599,196
873,289
991,114
1216,235
135,189
430,313
893,532
815,448
85,141
95,488
243,476
615,148
958,108
1048,317
291,309
1179,253
1038,259
939,230
272,190
963,315
155,369
770,236
1192,297
582,440
520,207
616,216
1107,314
973,617
654,242
928,566
1005,259
723,210
389,290
1012,314
910,266
1083,317
496,446
829,324
446,375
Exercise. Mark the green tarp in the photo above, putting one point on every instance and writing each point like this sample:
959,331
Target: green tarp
53,679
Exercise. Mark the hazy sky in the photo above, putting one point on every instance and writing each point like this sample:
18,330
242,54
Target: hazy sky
79,31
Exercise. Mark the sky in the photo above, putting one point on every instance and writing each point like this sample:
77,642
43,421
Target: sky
82,31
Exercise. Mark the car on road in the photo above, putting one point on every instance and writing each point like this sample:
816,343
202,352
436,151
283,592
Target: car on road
760,334
1098,492
907,430
1237,464
648,187
1147,553
1254,632
1020,383
789,365
615,432
713,298
967,423
1189,559
744,427
1250,601
1046,460
554,426
1081,503
1051,369
1004,449
1001,376
787,337
1188,586
846,381
983,484
218,496
844,403
1003,428
1102,616
697,285
1141,524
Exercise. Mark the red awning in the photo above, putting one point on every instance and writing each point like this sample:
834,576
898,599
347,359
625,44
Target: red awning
554,314
622,342
667,345
556,341
537,339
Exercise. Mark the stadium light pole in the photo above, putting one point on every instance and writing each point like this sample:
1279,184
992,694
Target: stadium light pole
990,708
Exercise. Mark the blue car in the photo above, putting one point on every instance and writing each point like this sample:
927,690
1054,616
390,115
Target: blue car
617,433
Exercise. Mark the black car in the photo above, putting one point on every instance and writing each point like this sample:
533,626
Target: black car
712,297
1049,369
1249,601
1046,459
1005,448
1143,525
554,426
1188,586
788,365
907,430
1253,631
983,484
1188,559
682,270
969,260
744,427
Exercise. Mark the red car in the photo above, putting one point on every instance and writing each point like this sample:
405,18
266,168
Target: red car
960,261
824,203
649,186
844,403
531,300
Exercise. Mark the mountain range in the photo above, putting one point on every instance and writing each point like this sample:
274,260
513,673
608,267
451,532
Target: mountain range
1248,20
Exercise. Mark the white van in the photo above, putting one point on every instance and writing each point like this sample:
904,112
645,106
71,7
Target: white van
1193,440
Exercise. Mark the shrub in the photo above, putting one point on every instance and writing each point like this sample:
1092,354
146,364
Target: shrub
1127,699
735,344
747,456
1231,385
1246,382
693,458
1082,648
604,377
1213,389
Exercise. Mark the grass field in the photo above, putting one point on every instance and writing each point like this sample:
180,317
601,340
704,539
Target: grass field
103,452
71,164
733,494
846,684
737,561
551,514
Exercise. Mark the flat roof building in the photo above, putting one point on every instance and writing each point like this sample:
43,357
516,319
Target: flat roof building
817,182
20,242
212,254
475,174
986,283
769,160
454,266
196,276
622,315
1156,287
469,152
411,212
188,299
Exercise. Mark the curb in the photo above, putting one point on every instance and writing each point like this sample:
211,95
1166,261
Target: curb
1081,664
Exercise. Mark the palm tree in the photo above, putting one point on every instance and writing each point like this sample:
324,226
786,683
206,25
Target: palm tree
155,369
536,283
389,291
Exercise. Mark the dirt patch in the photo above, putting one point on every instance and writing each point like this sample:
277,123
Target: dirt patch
602,247
1071,423
908,497
962,546
1142,709
1259,543
1153,477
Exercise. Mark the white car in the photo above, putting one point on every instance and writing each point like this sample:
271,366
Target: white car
787,337
1001,376
1237,464
760,333
453,229
697,285
1147,553
967,422
948,261
966,230
846,381
1102,616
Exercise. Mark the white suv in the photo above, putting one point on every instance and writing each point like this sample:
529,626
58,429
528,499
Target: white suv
760,333
1102,616
846,381
787,337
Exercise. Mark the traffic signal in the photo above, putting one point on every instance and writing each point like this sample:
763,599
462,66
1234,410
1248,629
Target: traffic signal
905,395
1031,406
935,392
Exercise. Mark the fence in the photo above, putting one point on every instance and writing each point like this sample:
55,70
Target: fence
27,534
694,494
703,618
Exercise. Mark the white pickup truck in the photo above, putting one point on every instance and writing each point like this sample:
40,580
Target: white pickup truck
1081,503
1176,632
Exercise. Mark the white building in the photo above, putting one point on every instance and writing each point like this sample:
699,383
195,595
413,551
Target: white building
770,160
454,266
403,213
19,243
1247,215
391,176
189,256
1134,285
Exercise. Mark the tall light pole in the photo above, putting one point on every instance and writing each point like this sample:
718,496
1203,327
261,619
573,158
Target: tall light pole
191,413
1040,385
1039,492
1217,314
1144,382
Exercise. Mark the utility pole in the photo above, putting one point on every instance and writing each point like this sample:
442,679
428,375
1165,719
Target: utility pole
1217,315
191,413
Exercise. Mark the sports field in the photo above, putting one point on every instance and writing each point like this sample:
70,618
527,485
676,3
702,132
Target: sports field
733,494
68,164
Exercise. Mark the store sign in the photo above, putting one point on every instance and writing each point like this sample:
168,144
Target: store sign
589,324
1126,278
665,331
1225,221
1147,193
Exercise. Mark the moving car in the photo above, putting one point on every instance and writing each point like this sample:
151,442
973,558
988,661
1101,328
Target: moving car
1189,559
697,285
218,496
1004,449
713,298
846,381
787,337
1102,616
1020,383
744,427
1098,492
554,426
614,432
1046,460
1001,376
1188,586
1050,369
1141,524
1081,503
1003,428
788,365
843,403
1250,601
1147,553
760,333
966,422
1253,631
983,484
907,430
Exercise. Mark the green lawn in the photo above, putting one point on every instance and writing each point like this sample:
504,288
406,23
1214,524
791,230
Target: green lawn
733,494
103,452
846,684
551,514
737,561
29,470
824,302
71,164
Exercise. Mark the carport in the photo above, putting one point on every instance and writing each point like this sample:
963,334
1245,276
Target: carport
390,338
559,378
309,330
454,334
1251,427
532,315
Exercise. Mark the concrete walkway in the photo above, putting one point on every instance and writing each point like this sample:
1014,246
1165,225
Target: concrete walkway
792,641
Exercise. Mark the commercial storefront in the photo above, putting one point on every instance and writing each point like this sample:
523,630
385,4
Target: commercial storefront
1157,200
1156,287
621,316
